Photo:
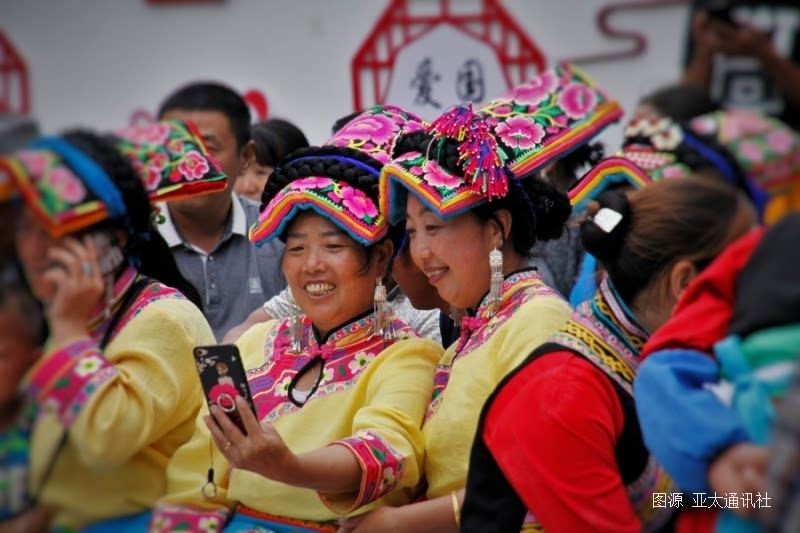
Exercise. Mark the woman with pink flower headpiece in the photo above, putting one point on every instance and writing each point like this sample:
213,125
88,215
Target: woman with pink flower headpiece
340,389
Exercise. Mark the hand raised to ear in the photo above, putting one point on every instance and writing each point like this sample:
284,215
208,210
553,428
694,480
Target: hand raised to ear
79,288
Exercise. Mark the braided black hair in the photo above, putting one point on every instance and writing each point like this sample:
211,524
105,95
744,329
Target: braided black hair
538,213
325,161
145,245
339,163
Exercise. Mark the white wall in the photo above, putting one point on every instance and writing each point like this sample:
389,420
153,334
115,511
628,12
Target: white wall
92,62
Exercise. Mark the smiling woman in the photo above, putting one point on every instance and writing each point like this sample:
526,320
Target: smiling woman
341,389
332,278
474,208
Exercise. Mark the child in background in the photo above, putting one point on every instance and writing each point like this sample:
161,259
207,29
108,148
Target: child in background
20,325
273,140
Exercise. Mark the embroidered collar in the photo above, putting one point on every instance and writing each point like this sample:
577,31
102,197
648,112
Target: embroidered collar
607,306
512,284
100,319
345,352
605,331
354,330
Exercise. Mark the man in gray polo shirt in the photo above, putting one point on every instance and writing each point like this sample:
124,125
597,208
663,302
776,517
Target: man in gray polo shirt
208,234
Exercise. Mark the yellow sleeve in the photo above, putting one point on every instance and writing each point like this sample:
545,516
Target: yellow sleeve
386,438
117,401
530,326
185,506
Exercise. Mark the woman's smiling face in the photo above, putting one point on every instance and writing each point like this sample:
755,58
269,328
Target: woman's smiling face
329,274
453,254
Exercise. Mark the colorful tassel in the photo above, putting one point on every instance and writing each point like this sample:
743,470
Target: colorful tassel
481,158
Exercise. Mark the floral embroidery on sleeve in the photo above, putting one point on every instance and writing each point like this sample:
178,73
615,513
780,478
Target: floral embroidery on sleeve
68,376
381,469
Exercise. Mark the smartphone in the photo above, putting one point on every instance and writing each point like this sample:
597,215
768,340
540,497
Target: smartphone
223,379
721,11
109,253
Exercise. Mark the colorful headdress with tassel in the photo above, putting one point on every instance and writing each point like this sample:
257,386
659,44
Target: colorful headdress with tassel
509,138
68,191
358,150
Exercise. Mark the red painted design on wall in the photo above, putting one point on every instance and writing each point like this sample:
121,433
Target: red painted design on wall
259,105
14,83
398,27
637,40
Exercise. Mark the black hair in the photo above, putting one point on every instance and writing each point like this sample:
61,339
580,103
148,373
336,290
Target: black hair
290,135
275,139
580,160
145,245
341,122
317,161
673,219
539,212
209,96
681,102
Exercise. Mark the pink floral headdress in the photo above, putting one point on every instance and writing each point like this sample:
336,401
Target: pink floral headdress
511,137
363,145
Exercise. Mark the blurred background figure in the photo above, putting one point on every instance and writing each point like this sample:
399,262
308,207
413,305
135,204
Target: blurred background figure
20,333
15,133
746,54
208,235
273,140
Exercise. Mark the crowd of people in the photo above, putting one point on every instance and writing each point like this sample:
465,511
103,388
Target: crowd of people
486,322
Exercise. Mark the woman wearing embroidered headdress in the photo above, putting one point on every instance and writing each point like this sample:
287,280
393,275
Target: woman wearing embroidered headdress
341,389
112,396
473,212
757,154
559,439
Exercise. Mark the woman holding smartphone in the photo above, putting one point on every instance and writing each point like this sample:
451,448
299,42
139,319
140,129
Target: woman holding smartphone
115,391
339,390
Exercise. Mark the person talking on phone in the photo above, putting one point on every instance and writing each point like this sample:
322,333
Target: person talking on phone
339,390
115,391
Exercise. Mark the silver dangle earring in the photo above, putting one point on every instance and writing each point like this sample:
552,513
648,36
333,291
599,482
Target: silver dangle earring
296,333
383,312
496,280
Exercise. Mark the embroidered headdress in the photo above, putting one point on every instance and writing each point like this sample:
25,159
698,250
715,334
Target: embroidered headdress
69,191
468,156
337,180
758,154
652,150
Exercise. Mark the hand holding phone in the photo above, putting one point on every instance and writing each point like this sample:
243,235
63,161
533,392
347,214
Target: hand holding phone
223,379
74,286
